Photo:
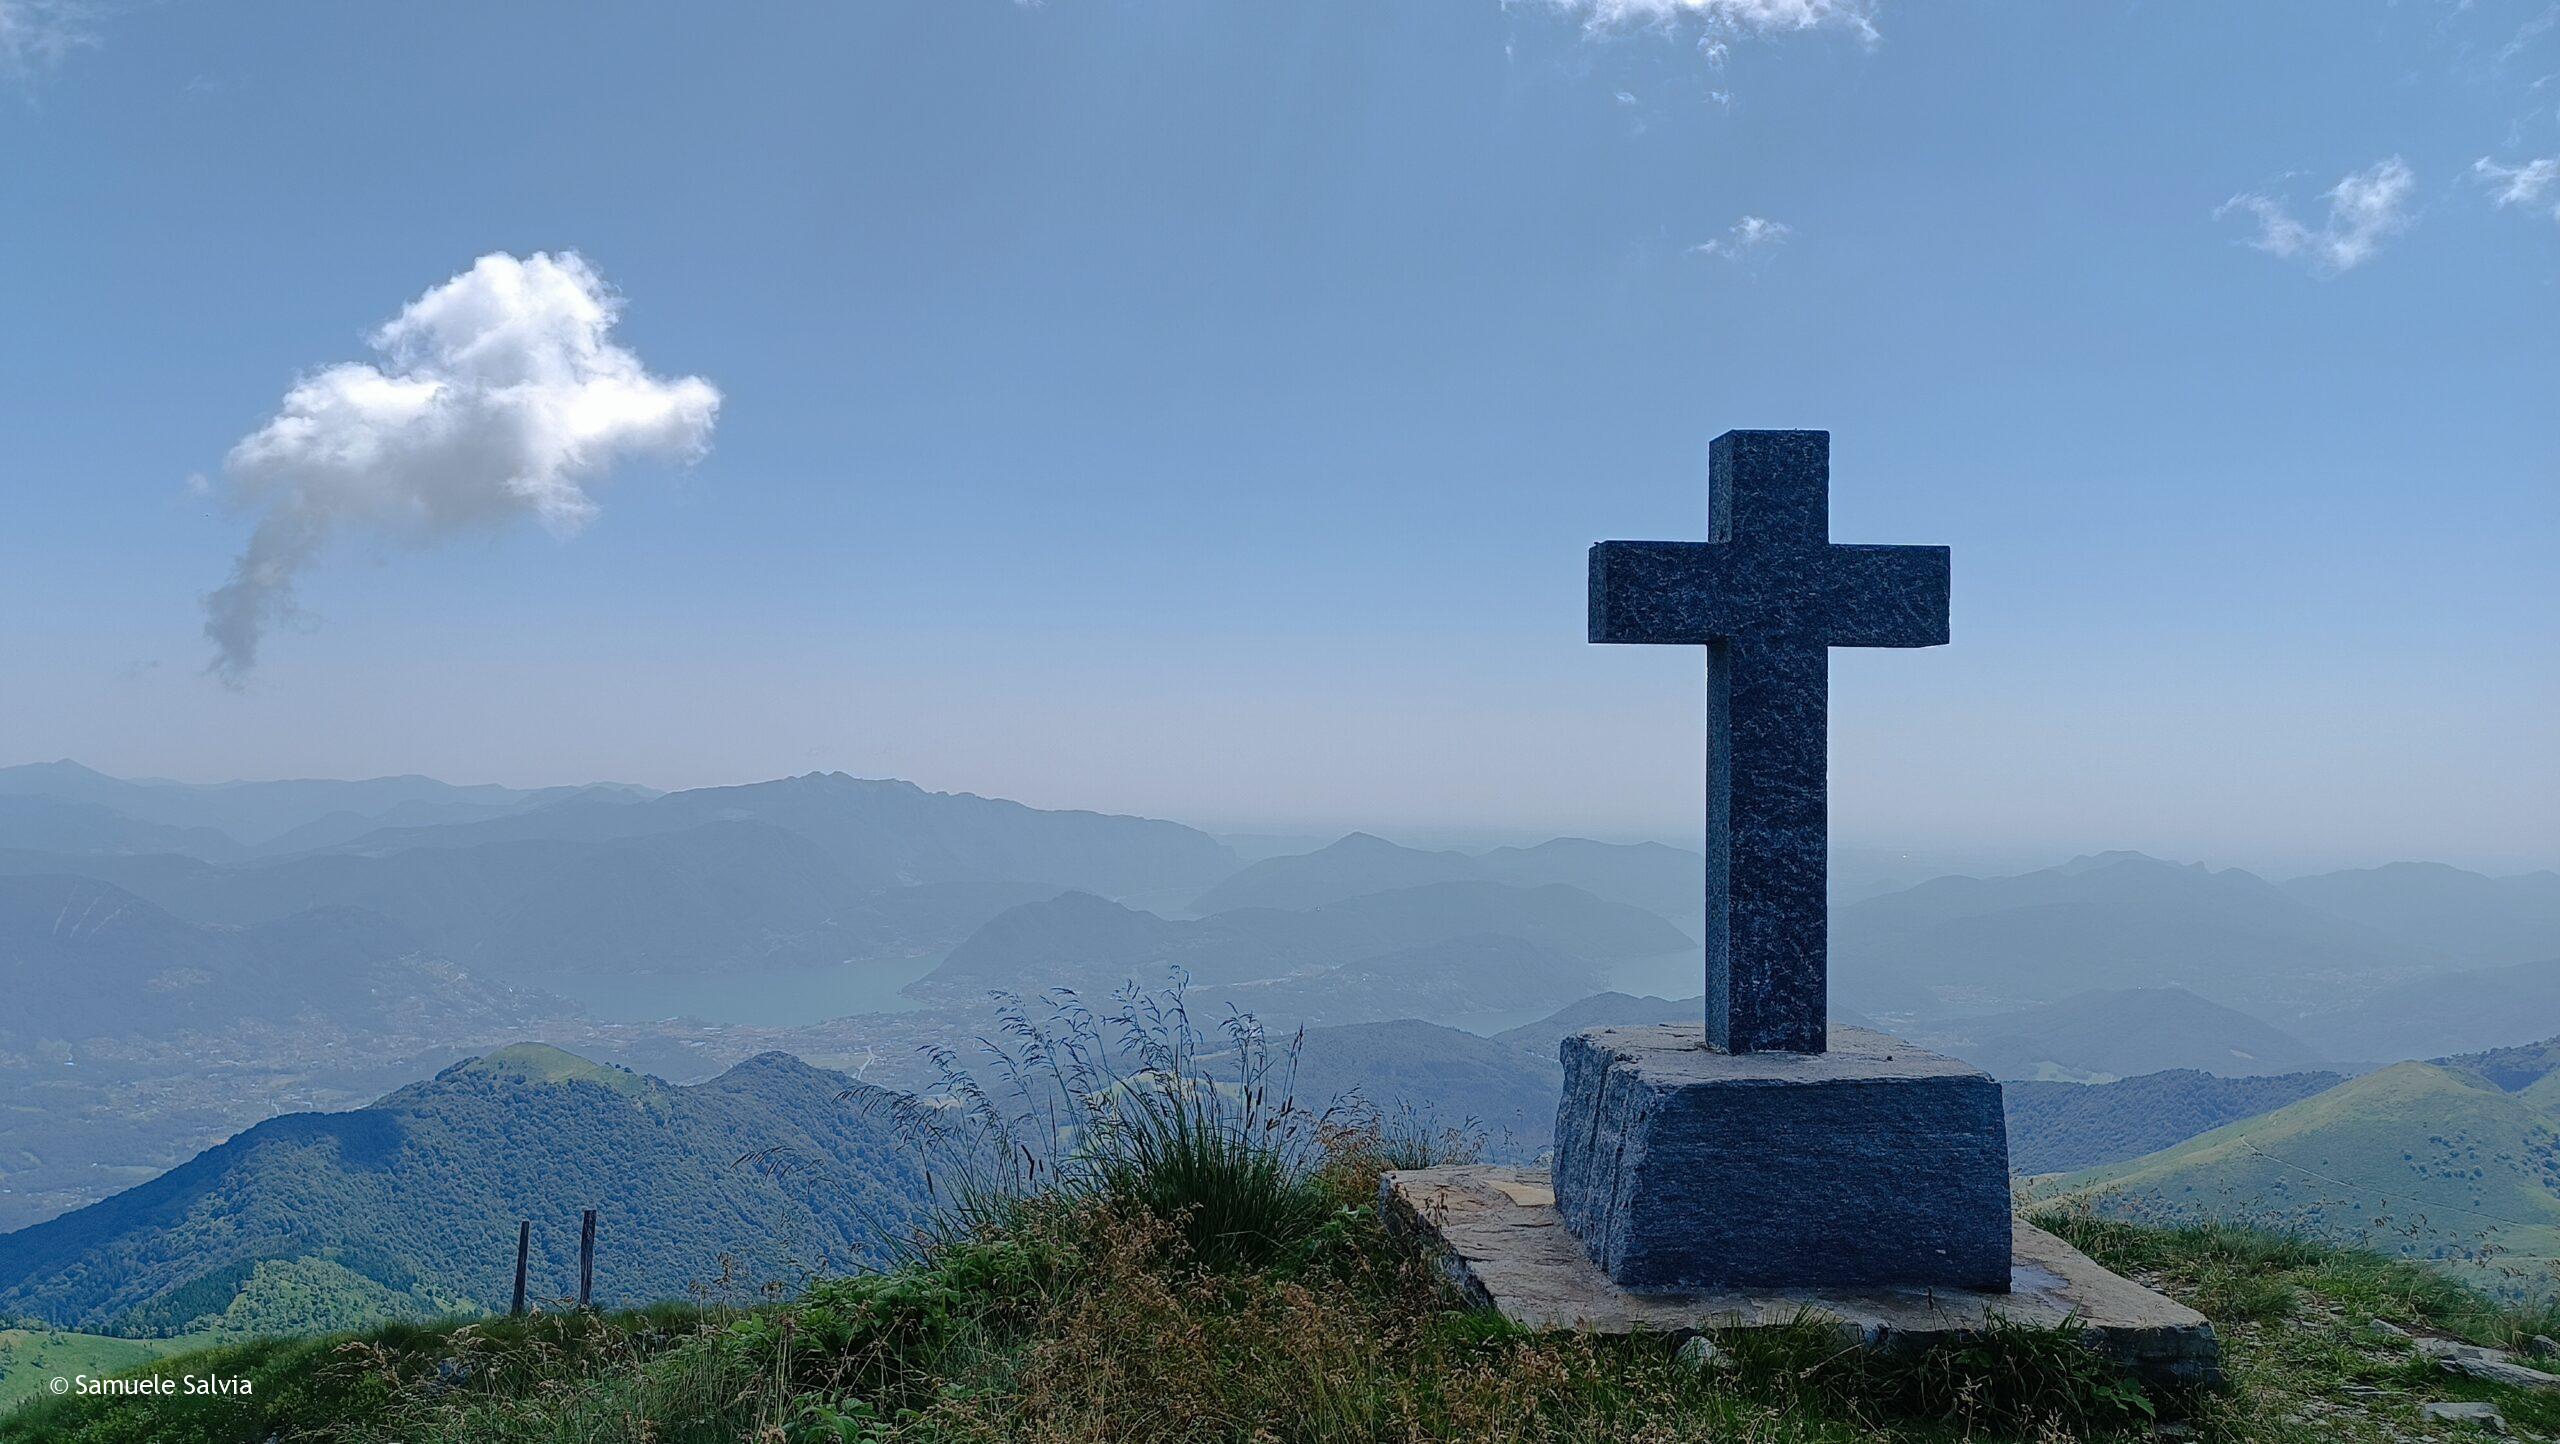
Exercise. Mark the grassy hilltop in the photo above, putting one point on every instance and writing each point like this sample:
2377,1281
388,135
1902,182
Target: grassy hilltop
1203,1263
1100,1321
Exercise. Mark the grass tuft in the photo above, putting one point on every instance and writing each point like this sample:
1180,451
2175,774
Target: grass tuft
1126,1109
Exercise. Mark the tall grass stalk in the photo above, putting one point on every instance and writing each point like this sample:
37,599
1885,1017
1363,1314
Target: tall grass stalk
1126,1108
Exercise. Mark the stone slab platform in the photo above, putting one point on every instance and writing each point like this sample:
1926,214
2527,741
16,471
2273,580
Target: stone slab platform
1496,1233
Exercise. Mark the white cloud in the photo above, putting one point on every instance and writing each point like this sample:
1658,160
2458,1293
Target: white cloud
35,35
2366,208
1715,20
2527,185
1745,236
498,397
2526,34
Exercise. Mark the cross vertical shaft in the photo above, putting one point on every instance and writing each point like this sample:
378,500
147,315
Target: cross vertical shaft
1767,852
1768,595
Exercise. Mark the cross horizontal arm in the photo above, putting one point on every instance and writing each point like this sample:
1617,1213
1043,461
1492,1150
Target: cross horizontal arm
1884,596
1665,592
1692,593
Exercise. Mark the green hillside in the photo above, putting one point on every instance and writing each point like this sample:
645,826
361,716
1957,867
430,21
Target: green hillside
542,1063
407,1208
2419,1160
29,1357
2060,1127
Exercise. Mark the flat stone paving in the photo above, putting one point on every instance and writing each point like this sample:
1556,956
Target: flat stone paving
1496,1234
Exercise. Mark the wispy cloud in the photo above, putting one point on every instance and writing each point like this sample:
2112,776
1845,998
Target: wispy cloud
35,35
2530,32
2527,185
2366,208
1718,21
1745,237
498,398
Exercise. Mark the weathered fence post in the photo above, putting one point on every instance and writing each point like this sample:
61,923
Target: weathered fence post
524,1246
587,1259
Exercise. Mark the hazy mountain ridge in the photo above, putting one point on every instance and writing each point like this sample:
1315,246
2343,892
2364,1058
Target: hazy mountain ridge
2122,1033
1082,942
2480,919
1355,865
88,829
1668,882
884,833
801,871
263,815
81,958
1600,1010
1437,1079
2116,920
1477,974
2467,1010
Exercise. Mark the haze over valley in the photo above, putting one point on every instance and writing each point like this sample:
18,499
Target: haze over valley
224,997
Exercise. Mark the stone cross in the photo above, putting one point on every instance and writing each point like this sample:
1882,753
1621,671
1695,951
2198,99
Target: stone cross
1768,594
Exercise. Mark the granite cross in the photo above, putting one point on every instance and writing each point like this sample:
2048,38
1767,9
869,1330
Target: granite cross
1768,594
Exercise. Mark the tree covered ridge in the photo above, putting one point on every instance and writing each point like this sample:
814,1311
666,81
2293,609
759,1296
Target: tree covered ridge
765,1175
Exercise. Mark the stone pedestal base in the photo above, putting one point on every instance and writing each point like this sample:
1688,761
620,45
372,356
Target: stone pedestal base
1496,1234
1873,1165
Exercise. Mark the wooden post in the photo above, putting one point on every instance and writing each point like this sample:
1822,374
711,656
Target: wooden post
524,1246
587,1259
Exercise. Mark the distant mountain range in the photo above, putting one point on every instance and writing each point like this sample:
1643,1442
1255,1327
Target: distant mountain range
287,816
82,959
1404,936
825,870
880,833
2118,1033
1355,865
1435,1079
406,1207
1601,1010
804,871
1474,975
87,829
1668,882
2466,1010
2121,920
2427,904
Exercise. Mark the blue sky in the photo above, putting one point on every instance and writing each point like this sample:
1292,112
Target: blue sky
1202,409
